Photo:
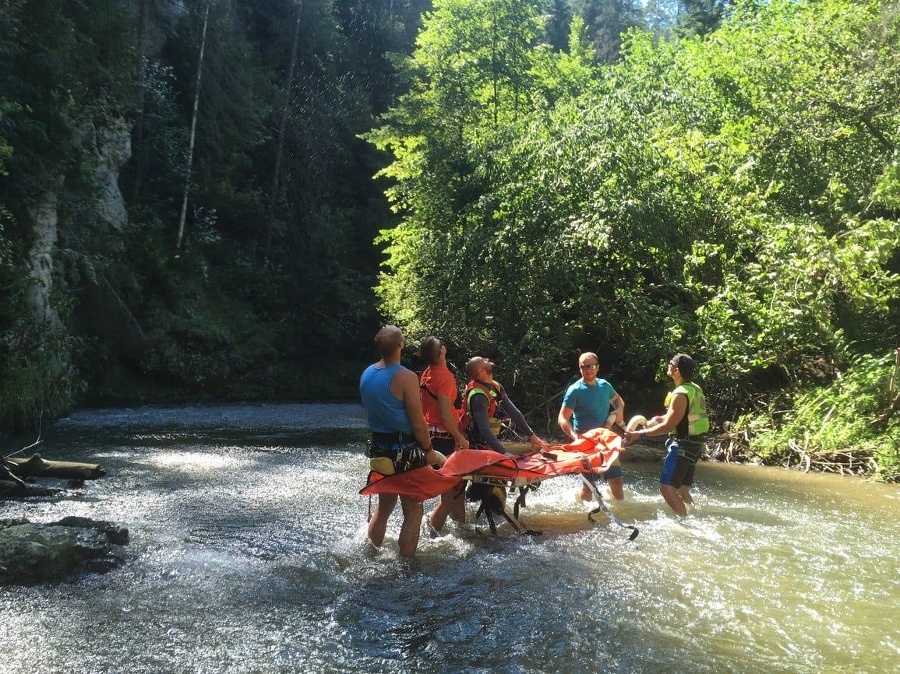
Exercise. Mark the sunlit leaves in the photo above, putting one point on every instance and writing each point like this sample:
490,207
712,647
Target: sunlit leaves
728,195
856,413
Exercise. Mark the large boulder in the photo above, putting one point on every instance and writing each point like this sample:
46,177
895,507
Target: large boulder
34,553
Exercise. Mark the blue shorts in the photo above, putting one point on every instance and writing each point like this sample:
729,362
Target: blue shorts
680,462
615,470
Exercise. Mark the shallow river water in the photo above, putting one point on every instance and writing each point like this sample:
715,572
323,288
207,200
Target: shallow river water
248,554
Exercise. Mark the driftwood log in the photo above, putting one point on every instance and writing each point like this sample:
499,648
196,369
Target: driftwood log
37,466
15,472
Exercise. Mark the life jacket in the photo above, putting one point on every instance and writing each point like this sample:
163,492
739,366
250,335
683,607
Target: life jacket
697,417
494,393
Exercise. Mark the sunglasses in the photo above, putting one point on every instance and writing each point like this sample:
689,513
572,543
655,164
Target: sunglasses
590,366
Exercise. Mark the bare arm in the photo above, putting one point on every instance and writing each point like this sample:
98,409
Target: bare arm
448,418
519,419
619,407
565,422
674,415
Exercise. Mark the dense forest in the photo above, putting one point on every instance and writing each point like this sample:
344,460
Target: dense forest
223,199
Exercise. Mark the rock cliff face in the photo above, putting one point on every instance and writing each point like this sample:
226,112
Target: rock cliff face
113,150
39,260
110,145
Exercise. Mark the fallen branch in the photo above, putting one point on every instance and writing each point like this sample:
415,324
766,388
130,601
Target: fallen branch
6,473
37,466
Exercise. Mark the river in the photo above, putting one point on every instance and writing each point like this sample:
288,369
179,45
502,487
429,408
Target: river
248,555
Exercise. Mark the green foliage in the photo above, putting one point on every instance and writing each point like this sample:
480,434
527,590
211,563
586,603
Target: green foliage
234,316
606,21
39,380
5,216
732,196
179,321
64,72
70,68
561,193
856,414
798,172
699,17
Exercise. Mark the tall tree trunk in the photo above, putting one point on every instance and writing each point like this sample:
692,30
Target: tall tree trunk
190,162
143,51
279,152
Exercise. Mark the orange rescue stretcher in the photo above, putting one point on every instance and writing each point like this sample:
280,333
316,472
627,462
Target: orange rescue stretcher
589,456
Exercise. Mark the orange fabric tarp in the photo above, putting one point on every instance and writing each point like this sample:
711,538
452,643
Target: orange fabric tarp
591,453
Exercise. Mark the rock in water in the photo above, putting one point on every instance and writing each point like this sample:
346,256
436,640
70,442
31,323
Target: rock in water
34,553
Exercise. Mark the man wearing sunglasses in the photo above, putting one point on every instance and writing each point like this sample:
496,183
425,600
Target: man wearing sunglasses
586,405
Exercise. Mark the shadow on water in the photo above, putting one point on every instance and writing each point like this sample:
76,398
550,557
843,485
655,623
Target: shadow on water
249,554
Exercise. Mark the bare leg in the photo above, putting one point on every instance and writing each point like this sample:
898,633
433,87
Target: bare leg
439,513
616,487
437,516
452,503
378,523
670,494
586,494
458,504
412,522
684,493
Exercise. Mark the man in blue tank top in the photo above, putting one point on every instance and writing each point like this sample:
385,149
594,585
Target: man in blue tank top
400,442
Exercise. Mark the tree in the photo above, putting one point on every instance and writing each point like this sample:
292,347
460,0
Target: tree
457,139
193,135
282,128
678,200
606,21
701,17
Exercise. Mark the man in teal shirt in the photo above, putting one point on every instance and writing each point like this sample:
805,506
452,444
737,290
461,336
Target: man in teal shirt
587,404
